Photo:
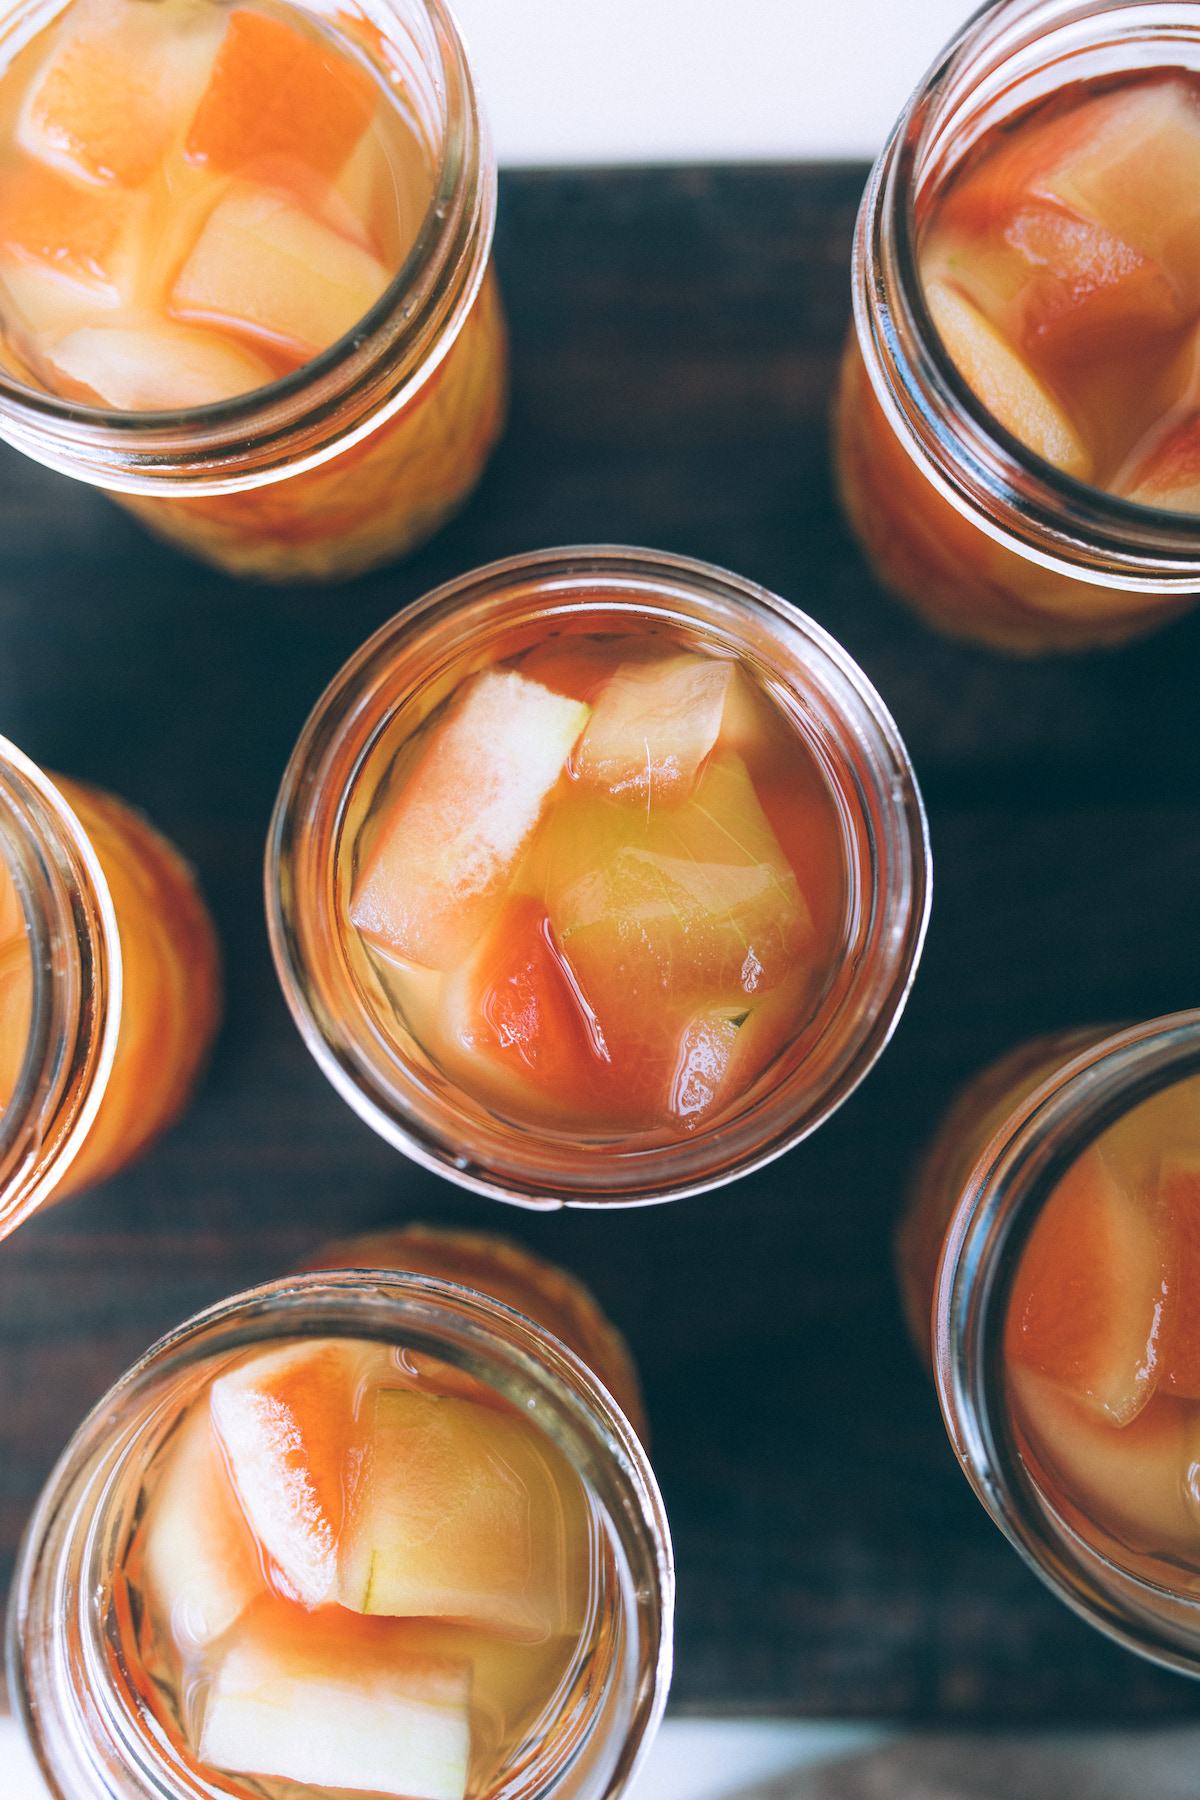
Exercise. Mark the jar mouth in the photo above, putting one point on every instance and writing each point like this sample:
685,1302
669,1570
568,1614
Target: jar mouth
1006,57
837,714
1000,1205
67,1672
76,984
347,390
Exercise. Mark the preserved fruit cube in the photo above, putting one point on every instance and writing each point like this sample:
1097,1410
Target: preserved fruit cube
697,902
1179,1186
458,1515
653,726
1169,476
1006,385
76,234
265,265
120,87
1088,1302
1133,1482
286,1423
153,366
276,92
434,879
520,1008
1087,292
202,1564
579,666
337,1703
1134,167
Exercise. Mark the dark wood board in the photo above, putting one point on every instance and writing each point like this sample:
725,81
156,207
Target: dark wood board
675,336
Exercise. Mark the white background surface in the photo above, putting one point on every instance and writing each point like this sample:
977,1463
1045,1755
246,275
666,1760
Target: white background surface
583,81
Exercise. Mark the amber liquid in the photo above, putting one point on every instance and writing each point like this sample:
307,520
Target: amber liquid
143,278
1060,228
1102,1343
107,251
617,1065
520,1691
1085,344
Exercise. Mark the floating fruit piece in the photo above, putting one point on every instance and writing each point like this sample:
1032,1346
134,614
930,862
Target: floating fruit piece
1169,476
1134,167
459,1513
695,902
1088,1302
275,91
152,367
120,87
653,727
76,234
1004,383
579,665
519,1008
336,1702
203,1568
265,265
1088,293
434,878
286,1422
1140,1483
1179,1187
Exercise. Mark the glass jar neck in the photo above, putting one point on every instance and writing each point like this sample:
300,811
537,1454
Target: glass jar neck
479,619
1007,57
75,986
346,392
66,1670
1007,1189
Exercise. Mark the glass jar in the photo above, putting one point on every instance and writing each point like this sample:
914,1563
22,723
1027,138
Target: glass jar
977,1112
974,530
111,986
95,1734
368,448
510,1273
1151,1609
414,663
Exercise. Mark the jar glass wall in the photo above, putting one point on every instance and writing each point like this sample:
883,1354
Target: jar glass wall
110,986
860,792
367,447
1080,1497
977,532
98,1730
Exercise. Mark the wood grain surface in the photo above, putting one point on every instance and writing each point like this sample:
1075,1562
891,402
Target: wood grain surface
675,337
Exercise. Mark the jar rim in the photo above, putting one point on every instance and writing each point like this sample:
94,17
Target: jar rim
49,1623
1011,1181
303,842
77,978
1002,486
336,398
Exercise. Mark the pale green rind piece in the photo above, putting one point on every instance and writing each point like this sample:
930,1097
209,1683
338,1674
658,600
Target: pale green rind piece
459,1514
390,1727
